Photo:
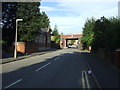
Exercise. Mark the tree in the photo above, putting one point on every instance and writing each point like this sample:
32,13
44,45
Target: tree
32,22
61,33
44,20
56,34
88,33
72,42
8,19
102,33
30,26
114,33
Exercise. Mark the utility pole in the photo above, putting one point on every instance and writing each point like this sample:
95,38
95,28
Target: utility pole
15,50
119,9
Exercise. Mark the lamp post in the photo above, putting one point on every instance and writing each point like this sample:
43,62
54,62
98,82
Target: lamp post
15,50
119,10
1,24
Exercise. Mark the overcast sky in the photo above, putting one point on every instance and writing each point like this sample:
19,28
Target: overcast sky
70,15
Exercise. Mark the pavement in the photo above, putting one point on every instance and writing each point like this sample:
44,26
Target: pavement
11,59
108,76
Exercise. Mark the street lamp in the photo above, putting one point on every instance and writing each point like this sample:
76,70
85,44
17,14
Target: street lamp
1,24
15,50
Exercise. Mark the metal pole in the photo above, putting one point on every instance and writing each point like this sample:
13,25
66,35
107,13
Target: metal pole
15,50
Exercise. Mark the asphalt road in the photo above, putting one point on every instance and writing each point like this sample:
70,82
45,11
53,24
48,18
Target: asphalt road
58,69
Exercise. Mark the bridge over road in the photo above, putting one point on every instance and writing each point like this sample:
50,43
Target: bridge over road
65,40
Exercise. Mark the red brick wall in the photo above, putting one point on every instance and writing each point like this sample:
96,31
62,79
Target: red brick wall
21,47
31,47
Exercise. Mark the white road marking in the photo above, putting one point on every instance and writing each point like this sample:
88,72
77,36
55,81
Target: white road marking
57,58
43,66
93,75
85,80
13,83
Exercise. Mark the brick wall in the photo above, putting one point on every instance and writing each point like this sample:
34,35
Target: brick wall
111,57
31,47
21,47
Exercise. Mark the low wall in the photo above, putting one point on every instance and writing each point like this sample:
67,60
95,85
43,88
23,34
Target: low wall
117,62
55,45
30,47
111,57
21,47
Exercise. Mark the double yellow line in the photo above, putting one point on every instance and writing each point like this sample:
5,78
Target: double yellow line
85,81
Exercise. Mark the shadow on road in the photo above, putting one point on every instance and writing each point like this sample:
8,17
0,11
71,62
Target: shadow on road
69,70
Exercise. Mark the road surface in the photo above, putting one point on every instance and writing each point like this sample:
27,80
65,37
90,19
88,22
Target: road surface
59,69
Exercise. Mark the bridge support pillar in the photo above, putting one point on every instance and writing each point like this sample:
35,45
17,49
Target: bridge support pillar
64,43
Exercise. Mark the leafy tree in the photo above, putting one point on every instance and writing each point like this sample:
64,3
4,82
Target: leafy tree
9,14
32,22
8,19
72,42
29,27
114,33
102,33
3,43
107,33
56,34
88,33
61,33
44,20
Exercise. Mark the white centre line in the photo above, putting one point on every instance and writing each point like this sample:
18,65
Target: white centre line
43,66
13,83
57,58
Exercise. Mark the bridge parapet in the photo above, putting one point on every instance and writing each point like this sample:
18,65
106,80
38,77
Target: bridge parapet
73,35
65,39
